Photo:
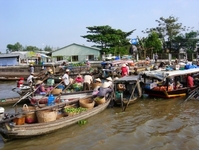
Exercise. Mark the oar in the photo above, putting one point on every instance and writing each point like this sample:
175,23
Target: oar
27,94
130,96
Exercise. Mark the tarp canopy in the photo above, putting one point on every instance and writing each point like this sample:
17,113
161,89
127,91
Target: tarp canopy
163,74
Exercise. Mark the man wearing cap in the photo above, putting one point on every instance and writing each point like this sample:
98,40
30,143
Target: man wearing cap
65,78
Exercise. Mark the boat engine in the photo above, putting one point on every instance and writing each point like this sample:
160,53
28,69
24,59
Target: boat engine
2,110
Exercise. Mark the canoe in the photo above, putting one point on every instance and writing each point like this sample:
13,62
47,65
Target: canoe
9,130
10,101
127,90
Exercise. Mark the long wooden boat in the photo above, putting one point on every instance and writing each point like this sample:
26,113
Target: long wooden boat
155,87
10,131
127,90
10,101
42,99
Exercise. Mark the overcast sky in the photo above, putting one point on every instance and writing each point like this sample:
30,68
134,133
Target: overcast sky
58,23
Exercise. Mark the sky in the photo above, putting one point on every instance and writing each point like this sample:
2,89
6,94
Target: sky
58,23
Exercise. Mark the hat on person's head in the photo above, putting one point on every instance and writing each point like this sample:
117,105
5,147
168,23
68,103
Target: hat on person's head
105,85
124,65
115,78
98,79
31,64
32,73
38,82
67,70
109,79
50,70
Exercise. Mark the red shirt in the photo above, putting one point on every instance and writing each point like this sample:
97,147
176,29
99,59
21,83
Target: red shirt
124,71
190,81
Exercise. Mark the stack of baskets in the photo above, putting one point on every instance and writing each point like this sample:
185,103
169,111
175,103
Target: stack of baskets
86,103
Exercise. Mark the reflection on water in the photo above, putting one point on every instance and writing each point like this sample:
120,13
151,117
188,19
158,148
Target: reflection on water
149,124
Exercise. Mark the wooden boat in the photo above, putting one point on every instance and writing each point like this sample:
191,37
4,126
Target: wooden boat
9,130
42,99
11,101
157,82
127,90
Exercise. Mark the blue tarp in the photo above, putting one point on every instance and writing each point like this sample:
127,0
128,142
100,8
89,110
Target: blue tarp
8,61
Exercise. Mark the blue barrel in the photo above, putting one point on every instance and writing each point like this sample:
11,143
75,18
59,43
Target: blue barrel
51,100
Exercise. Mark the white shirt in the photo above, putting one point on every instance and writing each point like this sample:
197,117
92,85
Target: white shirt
66,79
29,79
88,79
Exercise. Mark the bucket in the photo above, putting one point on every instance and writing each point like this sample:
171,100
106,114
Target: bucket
51,100
20,120
50,82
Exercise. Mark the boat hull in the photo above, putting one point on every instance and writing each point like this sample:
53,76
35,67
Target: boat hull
36,129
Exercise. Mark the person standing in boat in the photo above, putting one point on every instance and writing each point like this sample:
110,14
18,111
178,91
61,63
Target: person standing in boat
32,69
30,79
124,70
190,82
156,58
109,81
65,78
88,80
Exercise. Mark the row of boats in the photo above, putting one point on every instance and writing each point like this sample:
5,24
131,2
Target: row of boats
127,90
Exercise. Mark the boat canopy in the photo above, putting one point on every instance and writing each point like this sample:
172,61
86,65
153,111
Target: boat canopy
127,79
159,74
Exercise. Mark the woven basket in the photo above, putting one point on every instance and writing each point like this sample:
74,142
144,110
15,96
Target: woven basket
46,116
30,115
100,100
86,103
56,91
94,85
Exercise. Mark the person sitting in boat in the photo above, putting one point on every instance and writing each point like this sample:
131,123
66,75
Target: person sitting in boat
104,90
178,85
79,79
110,81
40,87
65,78
124,70
96,86
127,66
88,80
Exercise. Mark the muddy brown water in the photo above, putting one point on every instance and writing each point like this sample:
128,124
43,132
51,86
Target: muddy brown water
149,124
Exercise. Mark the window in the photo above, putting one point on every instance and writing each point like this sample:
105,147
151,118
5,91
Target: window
75,58
59,58
90,57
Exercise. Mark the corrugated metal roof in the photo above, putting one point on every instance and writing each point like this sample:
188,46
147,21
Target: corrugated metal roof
8,55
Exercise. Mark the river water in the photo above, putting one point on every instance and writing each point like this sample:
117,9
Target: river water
149,124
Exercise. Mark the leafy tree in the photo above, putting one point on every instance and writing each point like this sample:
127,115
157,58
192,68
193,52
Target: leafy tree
168,29
31,48
48,48
108,39
153,43
16,47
